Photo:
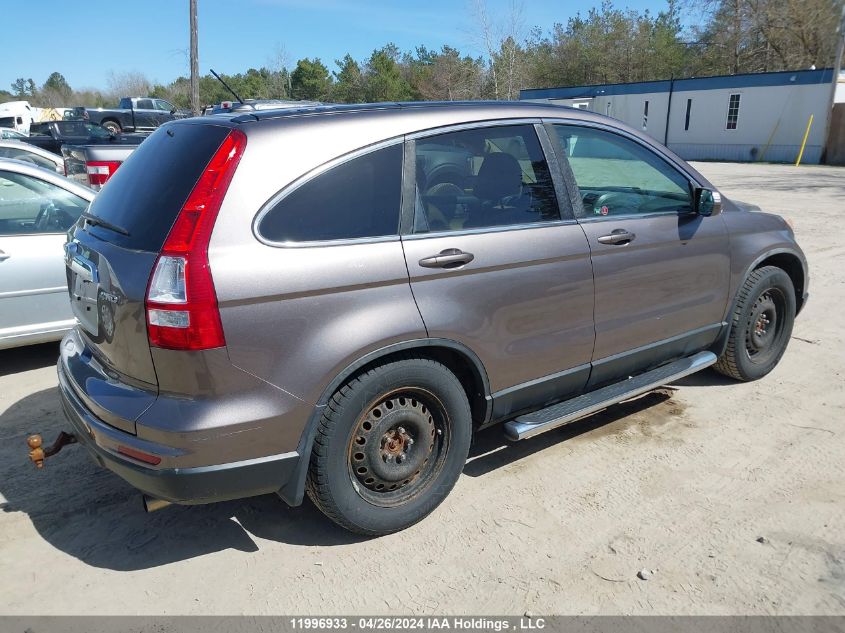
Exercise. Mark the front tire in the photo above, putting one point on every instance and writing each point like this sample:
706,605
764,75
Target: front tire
761,325
390,446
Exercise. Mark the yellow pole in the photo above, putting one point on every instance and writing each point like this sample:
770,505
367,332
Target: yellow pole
804,142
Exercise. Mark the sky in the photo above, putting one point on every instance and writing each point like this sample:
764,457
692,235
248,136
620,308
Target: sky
151,36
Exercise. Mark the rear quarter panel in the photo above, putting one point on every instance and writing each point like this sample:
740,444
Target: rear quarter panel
296,316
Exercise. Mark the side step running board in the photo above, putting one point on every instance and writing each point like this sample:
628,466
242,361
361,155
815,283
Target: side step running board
537,422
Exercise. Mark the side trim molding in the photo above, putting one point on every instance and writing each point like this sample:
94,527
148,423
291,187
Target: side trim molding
557,415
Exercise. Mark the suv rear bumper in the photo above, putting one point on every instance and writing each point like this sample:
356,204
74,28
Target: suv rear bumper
201,484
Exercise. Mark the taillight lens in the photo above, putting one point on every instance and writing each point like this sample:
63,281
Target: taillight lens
181,302
99,171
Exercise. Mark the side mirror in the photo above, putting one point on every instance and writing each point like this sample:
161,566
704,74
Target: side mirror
173,111
707,203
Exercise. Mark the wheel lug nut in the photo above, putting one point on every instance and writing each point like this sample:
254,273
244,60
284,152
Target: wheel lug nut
409,441
401,430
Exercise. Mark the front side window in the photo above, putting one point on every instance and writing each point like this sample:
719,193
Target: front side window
733,112
161,104
483,177
30,205
617,176
359,198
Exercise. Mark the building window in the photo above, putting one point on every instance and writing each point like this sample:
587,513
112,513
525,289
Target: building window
686,117
733,112
645,115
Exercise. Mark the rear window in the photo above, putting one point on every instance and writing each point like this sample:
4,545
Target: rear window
359,198
148,190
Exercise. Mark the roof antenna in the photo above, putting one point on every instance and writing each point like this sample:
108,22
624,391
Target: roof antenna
220,79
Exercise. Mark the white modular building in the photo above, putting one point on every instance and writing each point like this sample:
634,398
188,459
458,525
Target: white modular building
751,117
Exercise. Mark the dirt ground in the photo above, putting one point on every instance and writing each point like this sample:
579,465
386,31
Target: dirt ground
733,494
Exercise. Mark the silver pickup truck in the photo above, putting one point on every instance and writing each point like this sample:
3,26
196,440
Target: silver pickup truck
93,165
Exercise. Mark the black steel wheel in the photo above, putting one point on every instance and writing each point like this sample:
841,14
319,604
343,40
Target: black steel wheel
764,330
390,446
398,446
761,325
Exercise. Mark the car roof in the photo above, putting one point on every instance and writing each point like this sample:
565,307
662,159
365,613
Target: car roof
505,109
21,167
324,132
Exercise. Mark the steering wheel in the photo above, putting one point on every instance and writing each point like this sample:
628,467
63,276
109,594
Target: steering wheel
612,201
46,215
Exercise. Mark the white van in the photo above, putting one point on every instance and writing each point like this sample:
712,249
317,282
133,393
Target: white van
16,115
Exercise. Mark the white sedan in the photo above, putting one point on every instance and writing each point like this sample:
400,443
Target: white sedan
32,154
37,207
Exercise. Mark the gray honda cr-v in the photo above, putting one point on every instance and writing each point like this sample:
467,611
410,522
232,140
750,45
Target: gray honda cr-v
332,300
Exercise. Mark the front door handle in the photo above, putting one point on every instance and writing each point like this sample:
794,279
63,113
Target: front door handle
617,237
449,258
4,256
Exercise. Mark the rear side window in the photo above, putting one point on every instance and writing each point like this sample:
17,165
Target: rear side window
484,177
146,194
358,198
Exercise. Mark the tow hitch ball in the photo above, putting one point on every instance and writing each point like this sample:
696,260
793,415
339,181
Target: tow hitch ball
38,454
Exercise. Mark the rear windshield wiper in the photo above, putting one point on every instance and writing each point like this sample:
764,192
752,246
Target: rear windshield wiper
97,221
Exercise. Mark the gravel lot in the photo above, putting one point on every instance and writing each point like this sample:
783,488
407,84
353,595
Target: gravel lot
733,494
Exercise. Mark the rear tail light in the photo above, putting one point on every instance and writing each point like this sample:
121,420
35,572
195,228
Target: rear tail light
99,171
181,302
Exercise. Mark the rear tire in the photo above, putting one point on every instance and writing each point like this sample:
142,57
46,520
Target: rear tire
390,446
761,325
112,126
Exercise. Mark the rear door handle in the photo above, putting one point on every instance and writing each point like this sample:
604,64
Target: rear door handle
617,237
4,256
449,258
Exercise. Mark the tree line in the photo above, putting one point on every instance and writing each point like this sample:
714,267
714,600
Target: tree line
605,45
